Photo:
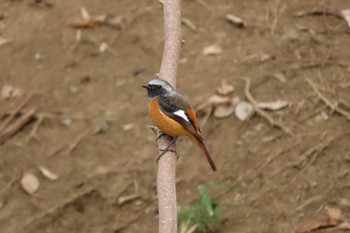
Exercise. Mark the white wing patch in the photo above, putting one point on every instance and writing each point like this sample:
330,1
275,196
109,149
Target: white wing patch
182,114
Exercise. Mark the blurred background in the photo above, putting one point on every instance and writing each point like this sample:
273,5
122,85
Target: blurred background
270,81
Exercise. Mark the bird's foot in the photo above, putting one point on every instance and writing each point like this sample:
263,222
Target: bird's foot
163,151
161,134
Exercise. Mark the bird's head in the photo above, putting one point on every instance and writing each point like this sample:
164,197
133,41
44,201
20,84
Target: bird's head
157,87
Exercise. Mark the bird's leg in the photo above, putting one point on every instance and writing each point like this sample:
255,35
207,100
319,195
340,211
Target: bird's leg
161,134
163,151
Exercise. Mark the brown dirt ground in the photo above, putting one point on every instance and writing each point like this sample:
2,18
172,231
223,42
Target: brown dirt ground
77,82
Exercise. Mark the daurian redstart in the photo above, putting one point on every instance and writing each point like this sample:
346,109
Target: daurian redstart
173,115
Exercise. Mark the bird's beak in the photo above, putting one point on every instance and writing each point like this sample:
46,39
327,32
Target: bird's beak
145,86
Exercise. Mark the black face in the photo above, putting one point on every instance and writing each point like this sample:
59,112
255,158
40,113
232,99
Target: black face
154,90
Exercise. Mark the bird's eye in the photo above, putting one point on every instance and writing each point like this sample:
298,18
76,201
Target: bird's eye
159,86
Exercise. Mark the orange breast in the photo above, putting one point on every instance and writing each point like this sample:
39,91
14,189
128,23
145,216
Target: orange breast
163,122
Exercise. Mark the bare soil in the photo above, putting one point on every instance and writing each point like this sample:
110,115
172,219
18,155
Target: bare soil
286,179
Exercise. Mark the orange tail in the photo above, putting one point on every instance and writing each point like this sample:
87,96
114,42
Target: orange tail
205,151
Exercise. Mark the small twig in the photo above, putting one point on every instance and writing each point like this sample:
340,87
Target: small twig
327,101
43,2
138,14
262,164
77,41
343,226
321,12
307,202
16,111
206,117
314,151
78,139
53,209
117,228
57,150
276,19
205,5
314,113
317,148
127,198
187,22
308,64
326,62
330,31
40,120
9,184
16,126
261,112
97,43
71,146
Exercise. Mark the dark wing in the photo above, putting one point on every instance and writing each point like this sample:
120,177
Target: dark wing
179,110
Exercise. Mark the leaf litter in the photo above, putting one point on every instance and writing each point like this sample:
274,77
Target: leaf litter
225,88
273,106
47,173
222,104
30,183
333,219
9,91
235,20
244,110
213,49
4,41
346,15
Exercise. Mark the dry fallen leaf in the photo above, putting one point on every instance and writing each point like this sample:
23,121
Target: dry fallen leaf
344,226
30,183
127,127
4,41
100,124
343,201
334,215
235,20
114,21
223,111
266,57
48,174
346,14
225,88
84,13
312,225
6,91
187,22
280,76
244,110
213,101
103,47
213,49
9,91
334,218
216,99
17,92
273,106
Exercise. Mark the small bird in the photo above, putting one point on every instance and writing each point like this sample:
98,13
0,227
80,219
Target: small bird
173,115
